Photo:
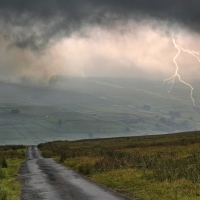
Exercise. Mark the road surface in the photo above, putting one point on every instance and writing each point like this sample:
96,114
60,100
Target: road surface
45,179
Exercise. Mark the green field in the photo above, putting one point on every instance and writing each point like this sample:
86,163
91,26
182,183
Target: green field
94,108
158,167
11,158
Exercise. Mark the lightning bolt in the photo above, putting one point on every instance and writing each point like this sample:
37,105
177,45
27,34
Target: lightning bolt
171,80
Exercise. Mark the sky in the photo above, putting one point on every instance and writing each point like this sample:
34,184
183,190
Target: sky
42,39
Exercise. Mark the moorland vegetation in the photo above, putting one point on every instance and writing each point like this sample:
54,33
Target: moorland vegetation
11,157
146,167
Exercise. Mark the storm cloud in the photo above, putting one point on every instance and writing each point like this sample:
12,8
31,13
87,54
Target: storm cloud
42,39
34,24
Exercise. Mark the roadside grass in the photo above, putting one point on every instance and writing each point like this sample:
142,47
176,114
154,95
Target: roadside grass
11,158
147,167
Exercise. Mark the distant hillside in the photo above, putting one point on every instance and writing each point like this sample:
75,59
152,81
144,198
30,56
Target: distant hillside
83,108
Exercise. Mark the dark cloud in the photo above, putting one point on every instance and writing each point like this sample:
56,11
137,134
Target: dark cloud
34,24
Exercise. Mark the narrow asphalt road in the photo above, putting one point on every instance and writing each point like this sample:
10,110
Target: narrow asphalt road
45,179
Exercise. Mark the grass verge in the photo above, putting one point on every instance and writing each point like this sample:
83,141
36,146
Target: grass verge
11,158
148,167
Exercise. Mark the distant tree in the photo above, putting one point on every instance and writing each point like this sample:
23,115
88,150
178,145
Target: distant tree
90,135
185,123
157,125
174,114
59,122
179,126
162,120
191,118
146,107
127,129
172,118
15,111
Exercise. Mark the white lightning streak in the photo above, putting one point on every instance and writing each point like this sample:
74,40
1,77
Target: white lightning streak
171,80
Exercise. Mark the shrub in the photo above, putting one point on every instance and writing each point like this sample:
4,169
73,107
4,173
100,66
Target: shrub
62,157
85,169
4,163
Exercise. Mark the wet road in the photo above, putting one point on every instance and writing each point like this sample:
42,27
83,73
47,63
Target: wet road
45,179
